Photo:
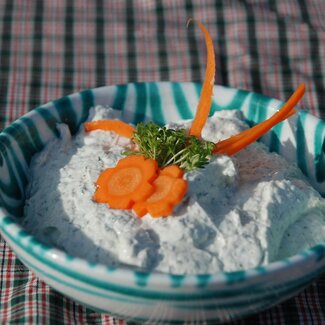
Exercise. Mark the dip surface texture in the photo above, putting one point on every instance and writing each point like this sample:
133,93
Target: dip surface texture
239,212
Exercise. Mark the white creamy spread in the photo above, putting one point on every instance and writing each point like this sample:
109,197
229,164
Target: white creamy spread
239,212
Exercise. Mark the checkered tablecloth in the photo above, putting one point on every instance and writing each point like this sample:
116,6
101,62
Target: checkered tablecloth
52,48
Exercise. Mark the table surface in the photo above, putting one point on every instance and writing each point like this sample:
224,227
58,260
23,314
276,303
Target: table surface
52,48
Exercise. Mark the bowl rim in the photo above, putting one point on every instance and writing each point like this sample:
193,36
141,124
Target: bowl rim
156,278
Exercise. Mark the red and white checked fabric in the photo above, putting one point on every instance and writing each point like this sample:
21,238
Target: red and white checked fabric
52,48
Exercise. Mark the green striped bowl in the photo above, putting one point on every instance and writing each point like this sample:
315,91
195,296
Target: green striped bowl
153,296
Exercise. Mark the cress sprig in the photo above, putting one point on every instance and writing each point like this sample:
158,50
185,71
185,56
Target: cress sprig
170,147
182,150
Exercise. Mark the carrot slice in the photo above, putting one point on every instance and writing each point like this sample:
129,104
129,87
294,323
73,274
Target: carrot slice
128,182
173,171
238,142
170,189
119,127
224,143
205,100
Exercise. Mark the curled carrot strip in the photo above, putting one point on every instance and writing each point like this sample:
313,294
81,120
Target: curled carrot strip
205,100
130,181
119,127
170,189
224,143
236,143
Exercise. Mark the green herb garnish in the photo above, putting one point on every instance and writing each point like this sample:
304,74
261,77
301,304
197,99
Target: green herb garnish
170,147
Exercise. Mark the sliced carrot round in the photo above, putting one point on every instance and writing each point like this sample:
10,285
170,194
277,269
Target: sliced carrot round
127,183
173,171
157,210
102,183
140,208
119,127
205,100
169,191
149,169
163,185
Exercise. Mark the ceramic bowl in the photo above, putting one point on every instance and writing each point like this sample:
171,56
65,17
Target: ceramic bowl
157,297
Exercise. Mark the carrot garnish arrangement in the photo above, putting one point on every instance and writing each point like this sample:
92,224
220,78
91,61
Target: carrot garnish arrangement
137,183
150,178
